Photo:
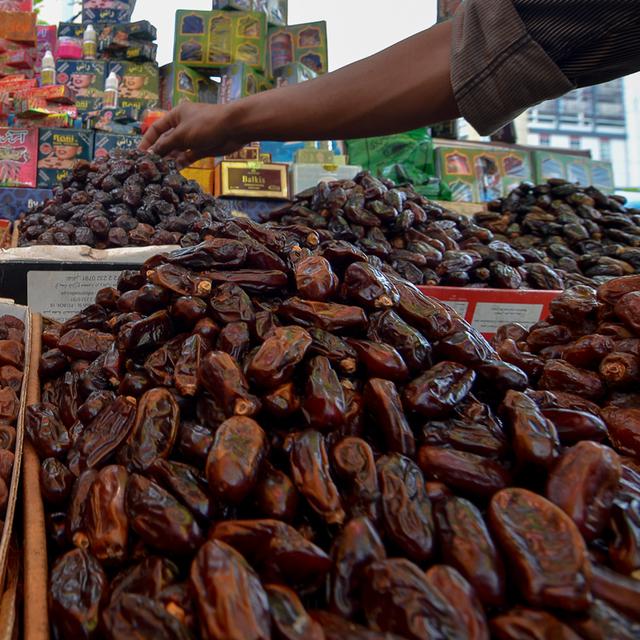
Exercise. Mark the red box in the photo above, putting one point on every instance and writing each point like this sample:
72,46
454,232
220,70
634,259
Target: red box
16,5
488,309
18,157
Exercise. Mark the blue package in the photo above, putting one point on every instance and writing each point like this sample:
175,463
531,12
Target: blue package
286,151
106,143
16,201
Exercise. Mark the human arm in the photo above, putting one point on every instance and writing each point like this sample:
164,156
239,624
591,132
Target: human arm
400,88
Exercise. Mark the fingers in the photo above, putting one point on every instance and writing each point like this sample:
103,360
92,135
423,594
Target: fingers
158,128
187,158
169,142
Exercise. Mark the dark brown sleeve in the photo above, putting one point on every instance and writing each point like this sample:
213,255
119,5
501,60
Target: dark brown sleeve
508,55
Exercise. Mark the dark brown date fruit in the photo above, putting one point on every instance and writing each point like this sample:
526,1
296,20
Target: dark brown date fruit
46,431
289,619
234,459
315,279
530,624
323,404
624,429
583,484
275,494
336,627
544,548
588,351
56,481
330,316
624,548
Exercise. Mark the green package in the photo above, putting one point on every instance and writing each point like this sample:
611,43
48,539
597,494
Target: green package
217,39
179,83
403,157
305,43
240,80
275,10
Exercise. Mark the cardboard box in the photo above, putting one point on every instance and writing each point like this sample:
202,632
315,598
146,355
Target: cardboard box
137,79
293,73
238,179
551,164
488,309
18,157
107,143
14,201
47,38
204,177
306,176
602,176
59,150
107,11
241,80
18,26
217,39
179,83
305,43
456,170
275,10
88,104
83,77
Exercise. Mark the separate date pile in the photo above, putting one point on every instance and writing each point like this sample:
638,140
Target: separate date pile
264,436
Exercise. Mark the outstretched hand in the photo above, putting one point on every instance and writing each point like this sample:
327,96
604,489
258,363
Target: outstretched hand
191,132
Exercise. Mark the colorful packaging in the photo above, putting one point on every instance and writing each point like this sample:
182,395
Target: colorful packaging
107,11
18,157
275,10
179,83
19,27
16,201
456,170
83,77
251,180
217,39
305,43
306,176
106,143
47,38
59,150
241,80
293,73
137,80
16,5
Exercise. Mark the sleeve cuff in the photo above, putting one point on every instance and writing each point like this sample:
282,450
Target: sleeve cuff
497,69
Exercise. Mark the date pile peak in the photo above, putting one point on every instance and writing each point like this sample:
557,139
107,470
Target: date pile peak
272,435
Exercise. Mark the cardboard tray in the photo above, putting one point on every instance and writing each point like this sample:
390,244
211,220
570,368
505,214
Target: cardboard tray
488,309
7,570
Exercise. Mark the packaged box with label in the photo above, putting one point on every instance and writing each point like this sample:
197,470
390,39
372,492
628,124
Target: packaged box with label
137,79
293,73
88,104
83,77
179,83
103,11
241,80
47,39
204,177
18,157
549,165
238,179
217,39
275,10
456,169
59,150
107,143
602,176
18,26
16,201
305,43
579,170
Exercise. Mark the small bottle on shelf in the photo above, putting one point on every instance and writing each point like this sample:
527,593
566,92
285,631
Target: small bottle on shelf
111,91
89,43
48,72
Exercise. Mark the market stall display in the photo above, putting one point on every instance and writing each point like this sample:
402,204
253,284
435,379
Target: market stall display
586,234
413,237
264,435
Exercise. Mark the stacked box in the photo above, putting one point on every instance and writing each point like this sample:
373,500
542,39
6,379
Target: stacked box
47,39
456,170
275,10
304,43
107,11
293,73
107,143
179,83
18,157
241,80
58,151
19,27
217,39
85,78
16,201
136,80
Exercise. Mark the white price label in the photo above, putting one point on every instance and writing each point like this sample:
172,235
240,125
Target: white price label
59,295
489,316
459,306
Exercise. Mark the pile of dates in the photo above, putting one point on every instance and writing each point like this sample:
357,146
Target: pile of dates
264,436
11,375
127,200
415,238
587,235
